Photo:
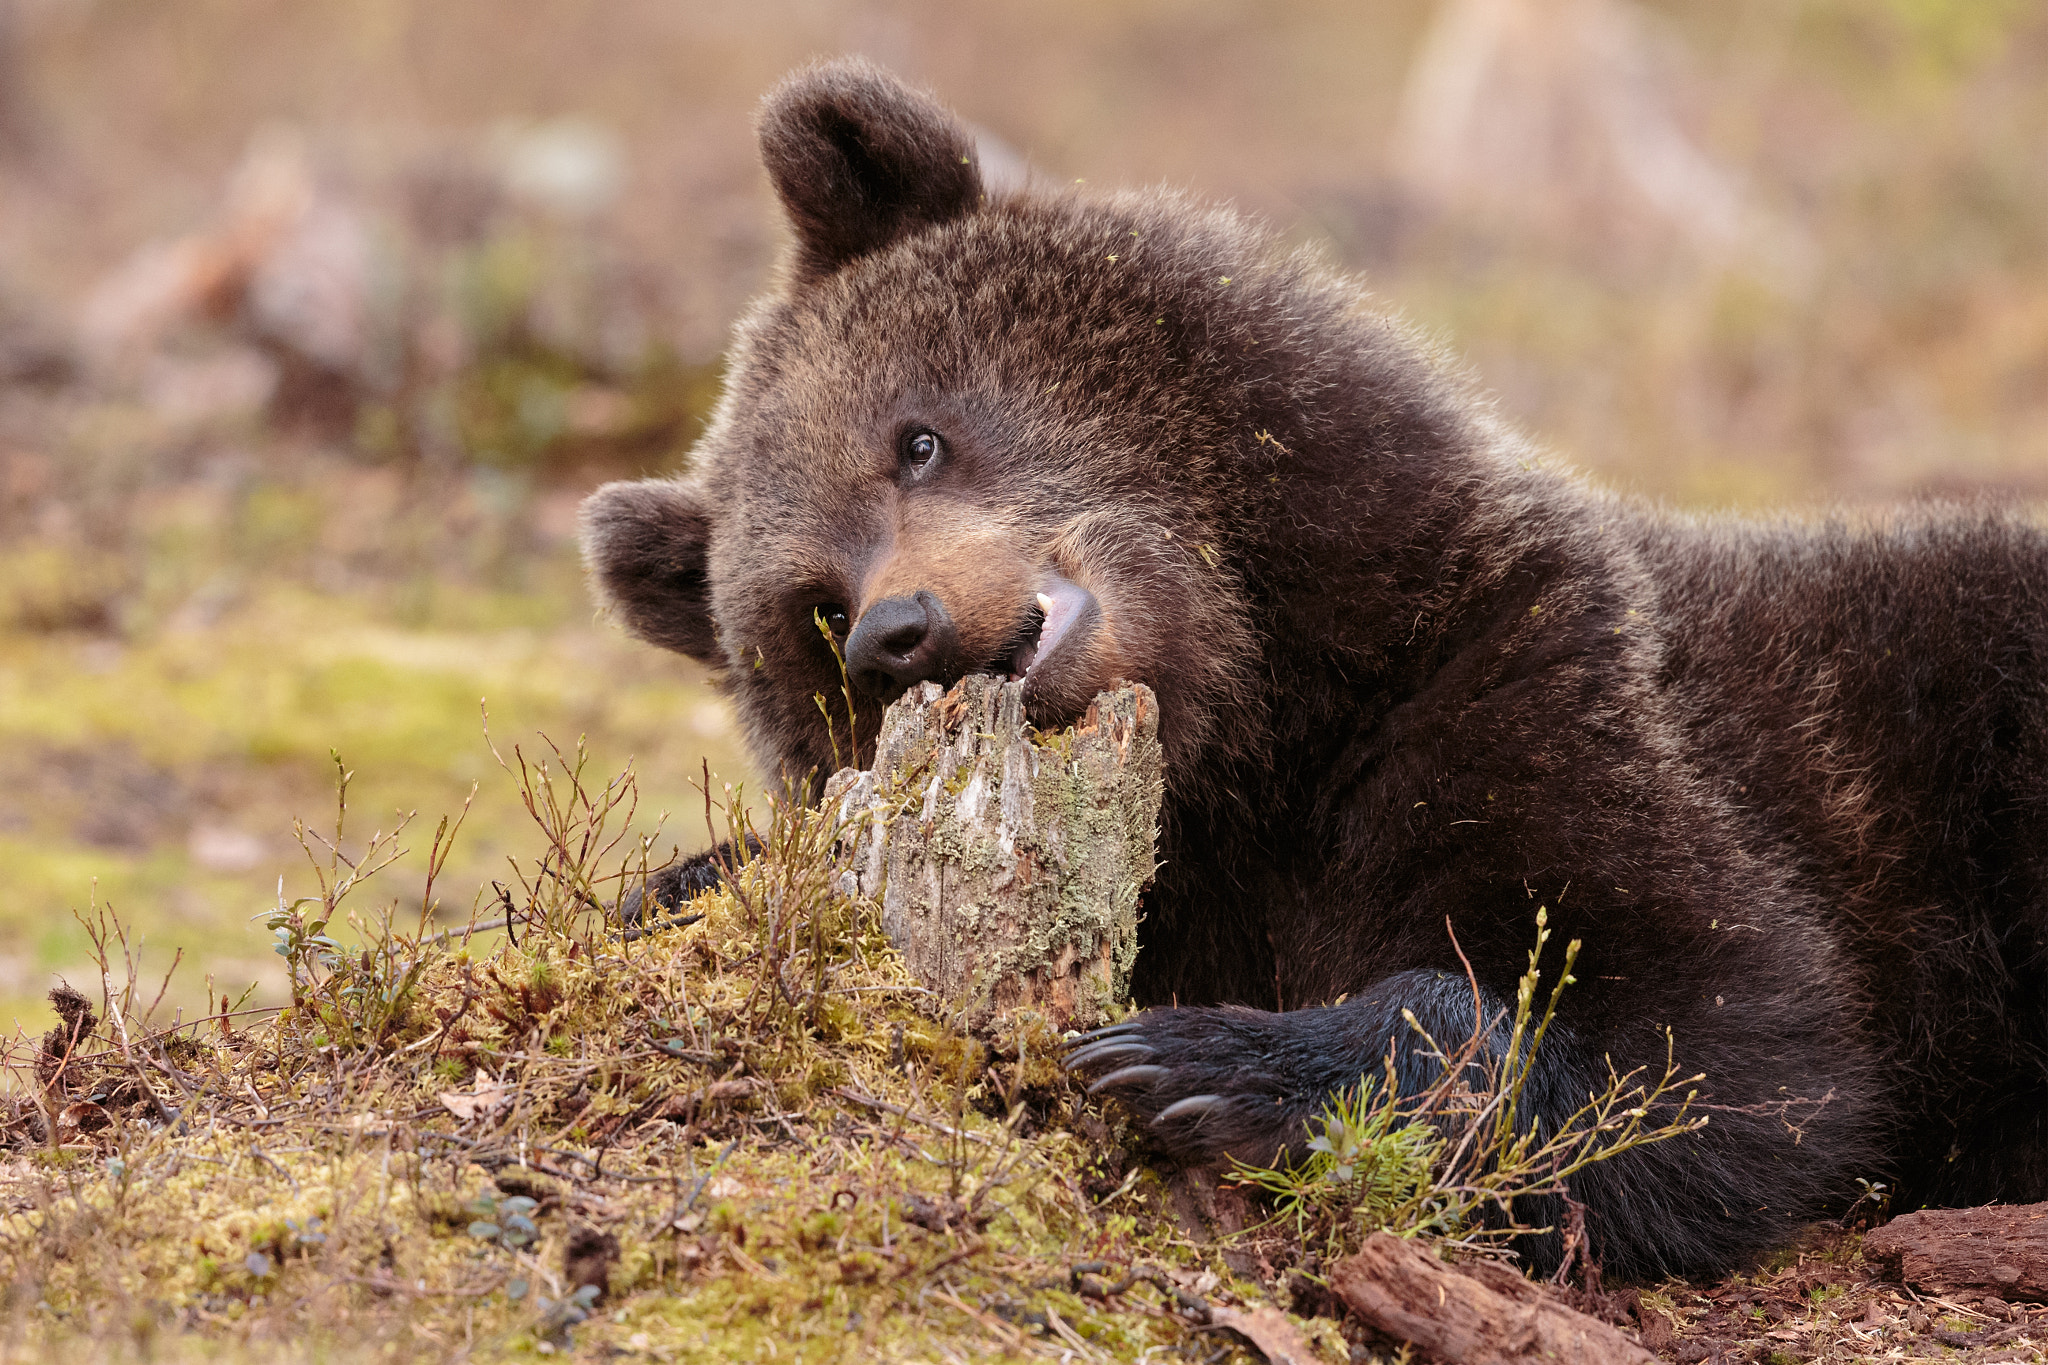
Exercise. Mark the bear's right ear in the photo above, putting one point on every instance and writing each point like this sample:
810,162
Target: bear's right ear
860,159
644,543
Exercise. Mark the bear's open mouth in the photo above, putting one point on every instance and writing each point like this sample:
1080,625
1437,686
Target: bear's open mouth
1059,607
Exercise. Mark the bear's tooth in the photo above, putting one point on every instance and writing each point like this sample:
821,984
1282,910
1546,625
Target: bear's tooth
1045,603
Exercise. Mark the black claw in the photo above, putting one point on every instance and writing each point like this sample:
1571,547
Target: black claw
1194,1106
1108,1051
1102,1034
1131,1076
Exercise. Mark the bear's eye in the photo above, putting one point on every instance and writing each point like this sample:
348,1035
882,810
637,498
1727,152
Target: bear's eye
834,617
921,449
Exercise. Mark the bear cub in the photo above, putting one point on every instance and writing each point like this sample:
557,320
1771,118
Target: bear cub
1787,780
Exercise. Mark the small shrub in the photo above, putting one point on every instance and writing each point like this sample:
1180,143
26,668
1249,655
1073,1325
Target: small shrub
1459,1159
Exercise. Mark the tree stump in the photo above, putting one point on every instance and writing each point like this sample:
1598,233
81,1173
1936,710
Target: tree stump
2001,1249
1008,863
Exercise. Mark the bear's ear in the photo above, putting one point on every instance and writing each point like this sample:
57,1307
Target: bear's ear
644,543
859,159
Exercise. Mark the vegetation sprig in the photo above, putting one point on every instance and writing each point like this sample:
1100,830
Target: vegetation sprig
1457,1161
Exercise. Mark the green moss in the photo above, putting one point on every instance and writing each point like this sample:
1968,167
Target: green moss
767,1213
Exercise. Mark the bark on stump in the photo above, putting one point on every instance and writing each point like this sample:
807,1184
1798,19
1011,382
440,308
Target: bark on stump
2001,1249
1398,1288
1008,863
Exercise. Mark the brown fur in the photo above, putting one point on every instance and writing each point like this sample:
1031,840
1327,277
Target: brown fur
1787,782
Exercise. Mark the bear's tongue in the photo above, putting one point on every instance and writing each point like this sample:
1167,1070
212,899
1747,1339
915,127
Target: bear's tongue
1062,601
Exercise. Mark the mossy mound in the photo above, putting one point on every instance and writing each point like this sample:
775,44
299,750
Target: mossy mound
749,1135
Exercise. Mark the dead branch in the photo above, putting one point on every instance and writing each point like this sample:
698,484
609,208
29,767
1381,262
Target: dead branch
2001,1249
1400,1289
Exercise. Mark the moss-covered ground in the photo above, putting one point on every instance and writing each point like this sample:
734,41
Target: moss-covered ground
752,1136
742,1132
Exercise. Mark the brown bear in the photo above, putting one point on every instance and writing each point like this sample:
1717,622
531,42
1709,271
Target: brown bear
1788,781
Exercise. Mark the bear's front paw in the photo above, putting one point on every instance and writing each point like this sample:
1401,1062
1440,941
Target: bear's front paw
659,895
667,888
1207,1083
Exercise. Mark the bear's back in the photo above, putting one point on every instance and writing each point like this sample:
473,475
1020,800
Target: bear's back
1873,701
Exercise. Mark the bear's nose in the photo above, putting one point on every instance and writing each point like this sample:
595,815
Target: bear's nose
900,641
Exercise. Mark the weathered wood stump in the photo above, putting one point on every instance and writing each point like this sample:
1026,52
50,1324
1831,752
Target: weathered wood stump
2001,1249
1008,862
1491,1316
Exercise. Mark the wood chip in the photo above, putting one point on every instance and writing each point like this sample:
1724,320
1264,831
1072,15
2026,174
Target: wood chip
1267,1328
486,1097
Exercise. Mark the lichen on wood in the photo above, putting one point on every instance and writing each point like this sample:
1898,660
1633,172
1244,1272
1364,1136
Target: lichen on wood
1008,863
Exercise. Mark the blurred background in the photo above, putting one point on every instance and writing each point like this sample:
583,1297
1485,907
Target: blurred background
317,317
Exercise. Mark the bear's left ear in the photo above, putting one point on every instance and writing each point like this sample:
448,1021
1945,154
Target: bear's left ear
860,159
646,542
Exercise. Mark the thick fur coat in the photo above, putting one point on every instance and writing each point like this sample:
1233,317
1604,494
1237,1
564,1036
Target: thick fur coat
1784,780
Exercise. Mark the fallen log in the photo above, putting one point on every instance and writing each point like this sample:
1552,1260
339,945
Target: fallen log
1008,862
1398,1288
2000,1249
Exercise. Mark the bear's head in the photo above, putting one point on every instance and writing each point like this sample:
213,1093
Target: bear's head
1025,433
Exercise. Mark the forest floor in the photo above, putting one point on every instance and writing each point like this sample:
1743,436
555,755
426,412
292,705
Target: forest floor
742,1133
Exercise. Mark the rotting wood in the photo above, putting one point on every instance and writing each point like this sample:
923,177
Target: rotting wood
1398,1288
1999,1249
1008,863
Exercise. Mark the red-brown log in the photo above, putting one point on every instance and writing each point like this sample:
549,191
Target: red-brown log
1404,1291
2000,1249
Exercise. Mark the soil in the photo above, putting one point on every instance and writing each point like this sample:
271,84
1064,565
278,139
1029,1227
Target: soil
1823,1303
